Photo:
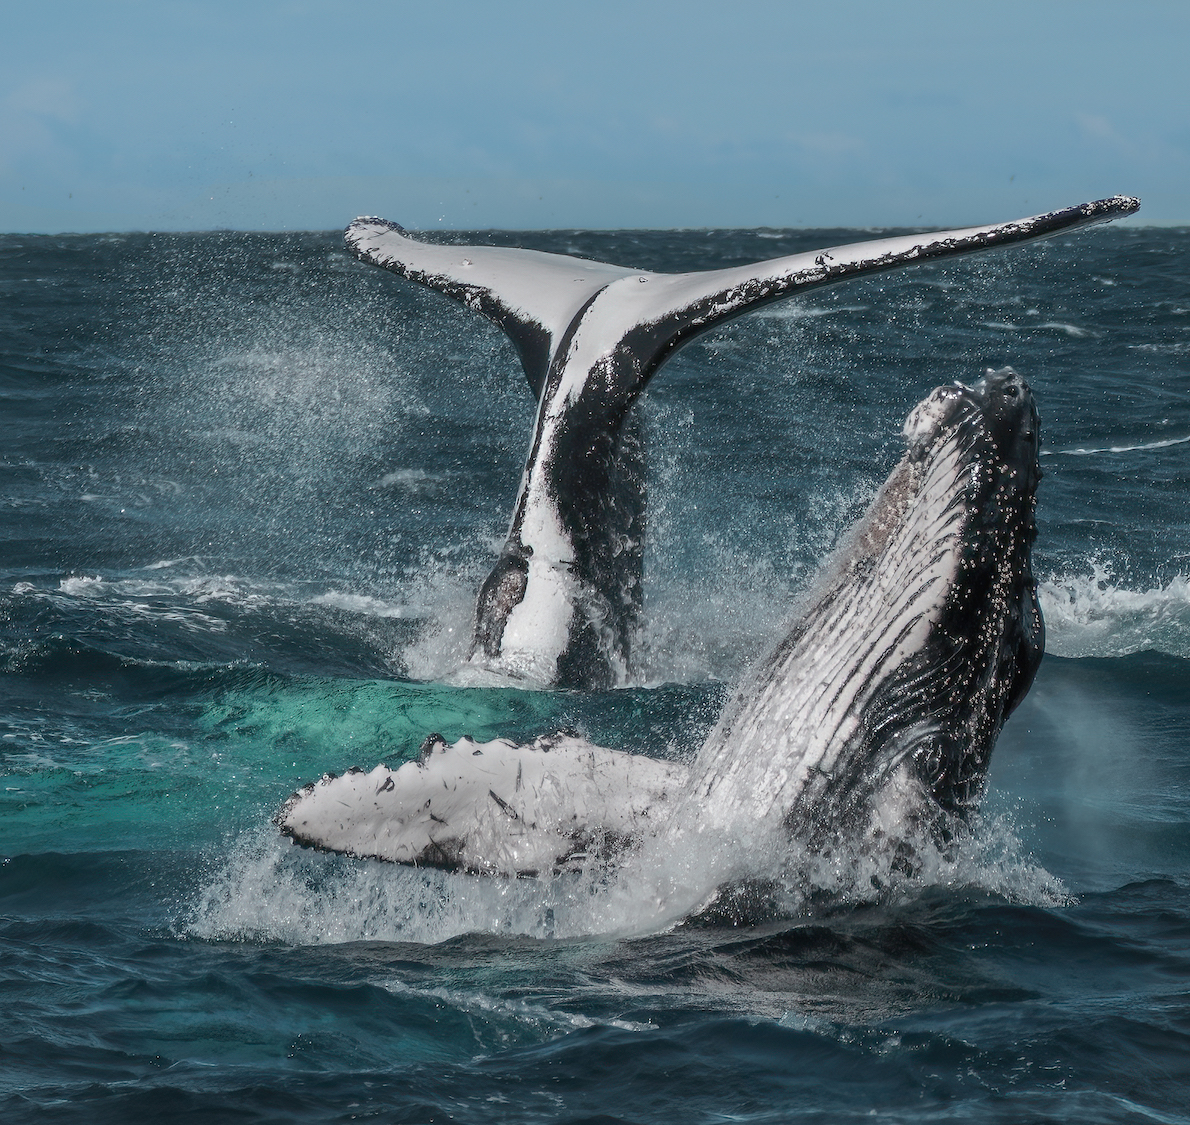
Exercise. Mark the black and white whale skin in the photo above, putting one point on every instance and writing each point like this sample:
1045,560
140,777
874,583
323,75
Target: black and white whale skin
562,602
919,640
913,647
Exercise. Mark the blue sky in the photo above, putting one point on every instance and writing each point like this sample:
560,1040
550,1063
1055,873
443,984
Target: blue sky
275,115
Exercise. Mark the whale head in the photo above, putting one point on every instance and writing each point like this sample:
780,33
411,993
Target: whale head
987,438
1000,404
917,641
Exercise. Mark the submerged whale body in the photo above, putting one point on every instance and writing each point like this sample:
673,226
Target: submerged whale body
912,648
562,602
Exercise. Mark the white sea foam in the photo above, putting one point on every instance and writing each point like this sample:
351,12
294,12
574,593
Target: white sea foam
233,590
518,1009
132,599
268,889
79,586
201,603
1089,615
197,589
1084,451
1074,331
1178,348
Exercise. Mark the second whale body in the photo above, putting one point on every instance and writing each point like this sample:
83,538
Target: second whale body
561,604
919,638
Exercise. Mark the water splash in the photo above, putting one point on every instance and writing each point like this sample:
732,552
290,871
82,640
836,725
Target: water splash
266,889
1091,615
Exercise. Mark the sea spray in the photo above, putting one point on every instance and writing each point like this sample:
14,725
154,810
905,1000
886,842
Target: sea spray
266,889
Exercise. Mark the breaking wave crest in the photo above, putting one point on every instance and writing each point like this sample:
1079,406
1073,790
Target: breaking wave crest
1089,615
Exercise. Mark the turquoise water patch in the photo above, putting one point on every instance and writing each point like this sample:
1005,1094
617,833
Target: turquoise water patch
372,719
246,750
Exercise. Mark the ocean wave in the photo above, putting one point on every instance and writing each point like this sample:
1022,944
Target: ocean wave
1074,331
1178,348
199,589
174,598
291,626
537,1016
1083,451
1088,615
131,600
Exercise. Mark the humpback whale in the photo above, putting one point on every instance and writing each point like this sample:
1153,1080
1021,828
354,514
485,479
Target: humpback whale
918,639
562,600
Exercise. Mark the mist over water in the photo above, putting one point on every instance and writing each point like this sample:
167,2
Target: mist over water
250,489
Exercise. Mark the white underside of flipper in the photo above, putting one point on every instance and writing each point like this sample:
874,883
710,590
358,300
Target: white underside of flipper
493,807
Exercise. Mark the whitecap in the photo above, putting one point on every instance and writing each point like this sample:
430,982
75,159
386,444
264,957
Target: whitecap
1084,451
1072,330
1088,615
1161,349
365,605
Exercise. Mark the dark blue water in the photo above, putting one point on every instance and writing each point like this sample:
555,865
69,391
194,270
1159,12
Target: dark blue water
249,489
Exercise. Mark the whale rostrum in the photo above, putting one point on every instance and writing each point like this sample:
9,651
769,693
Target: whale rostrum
562,601
919,637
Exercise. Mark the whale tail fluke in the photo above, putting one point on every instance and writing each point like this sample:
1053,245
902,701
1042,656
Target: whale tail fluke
539,298
563,602
533,296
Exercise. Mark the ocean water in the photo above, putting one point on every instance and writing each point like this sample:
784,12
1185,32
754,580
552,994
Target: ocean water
250,487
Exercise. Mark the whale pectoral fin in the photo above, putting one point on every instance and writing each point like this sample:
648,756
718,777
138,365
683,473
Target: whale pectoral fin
507,810
533,296
676,307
